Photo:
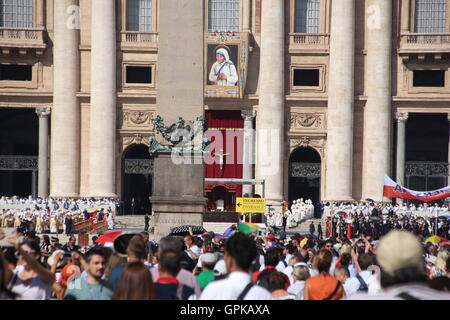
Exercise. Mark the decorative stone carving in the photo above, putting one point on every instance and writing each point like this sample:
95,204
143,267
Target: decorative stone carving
179,136
43,112
22,163
248,115
308,121
137,118
317,143
136,139
304,170
401,116
138,166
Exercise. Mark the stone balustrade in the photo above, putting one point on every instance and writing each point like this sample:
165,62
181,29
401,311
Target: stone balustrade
139,40
425,43
22,38
309,42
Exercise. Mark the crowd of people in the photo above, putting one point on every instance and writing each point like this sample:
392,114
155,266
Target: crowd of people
53,216
239,267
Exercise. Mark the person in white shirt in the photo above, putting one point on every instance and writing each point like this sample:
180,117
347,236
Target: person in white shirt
343,275
240,252
299,274
192,249
362,280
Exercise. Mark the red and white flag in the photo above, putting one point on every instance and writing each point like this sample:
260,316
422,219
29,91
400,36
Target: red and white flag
393,190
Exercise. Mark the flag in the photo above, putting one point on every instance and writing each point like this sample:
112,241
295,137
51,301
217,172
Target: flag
247,228
392,189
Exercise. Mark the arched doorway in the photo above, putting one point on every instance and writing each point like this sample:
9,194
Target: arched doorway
137,185
426,154
19,146
304,175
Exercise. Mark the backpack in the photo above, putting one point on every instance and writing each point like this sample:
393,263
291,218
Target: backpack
362,284
263,278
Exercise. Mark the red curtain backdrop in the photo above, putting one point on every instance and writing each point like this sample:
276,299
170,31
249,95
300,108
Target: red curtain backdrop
225,130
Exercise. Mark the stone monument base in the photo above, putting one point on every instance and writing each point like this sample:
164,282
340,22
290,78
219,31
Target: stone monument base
178,193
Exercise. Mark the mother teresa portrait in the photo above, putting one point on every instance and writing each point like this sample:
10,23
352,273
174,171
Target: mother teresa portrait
223,72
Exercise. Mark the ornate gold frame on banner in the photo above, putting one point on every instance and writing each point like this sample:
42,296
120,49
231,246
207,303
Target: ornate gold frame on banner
238,48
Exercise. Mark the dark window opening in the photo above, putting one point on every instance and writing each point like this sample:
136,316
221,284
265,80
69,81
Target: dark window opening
15,72
139,74
306,77
429,78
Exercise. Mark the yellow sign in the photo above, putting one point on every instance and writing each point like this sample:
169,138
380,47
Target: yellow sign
251,205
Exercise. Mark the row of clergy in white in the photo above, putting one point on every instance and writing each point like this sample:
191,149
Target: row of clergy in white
299,211
43,220
386,207
60,201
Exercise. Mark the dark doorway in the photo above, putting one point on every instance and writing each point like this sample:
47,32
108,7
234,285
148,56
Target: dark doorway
427,138
19,139
304,175
137,185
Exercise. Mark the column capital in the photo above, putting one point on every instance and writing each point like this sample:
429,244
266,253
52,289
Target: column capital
43,112
401,116
248,115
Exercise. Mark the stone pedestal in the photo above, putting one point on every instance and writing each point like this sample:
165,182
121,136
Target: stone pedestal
178,193
178,187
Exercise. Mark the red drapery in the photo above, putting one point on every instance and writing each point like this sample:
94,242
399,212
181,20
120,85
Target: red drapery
225,131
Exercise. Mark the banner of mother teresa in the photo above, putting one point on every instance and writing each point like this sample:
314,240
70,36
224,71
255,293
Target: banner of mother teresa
226,59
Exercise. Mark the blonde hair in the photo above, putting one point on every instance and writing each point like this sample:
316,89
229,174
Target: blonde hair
301,273
441,260
292,261
346,248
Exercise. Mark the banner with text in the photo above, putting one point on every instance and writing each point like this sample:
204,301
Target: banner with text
393,190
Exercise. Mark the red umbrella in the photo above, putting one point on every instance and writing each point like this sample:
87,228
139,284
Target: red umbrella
108,237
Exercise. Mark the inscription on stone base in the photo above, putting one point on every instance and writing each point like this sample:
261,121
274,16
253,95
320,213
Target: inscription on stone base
165,221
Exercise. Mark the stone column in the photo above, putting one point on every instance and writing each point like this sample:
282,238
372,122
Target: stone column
448,117
102,137
340,102
65,124
270,120
43,114
246,15
248,150
401,118
40,14
406,15
377,112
